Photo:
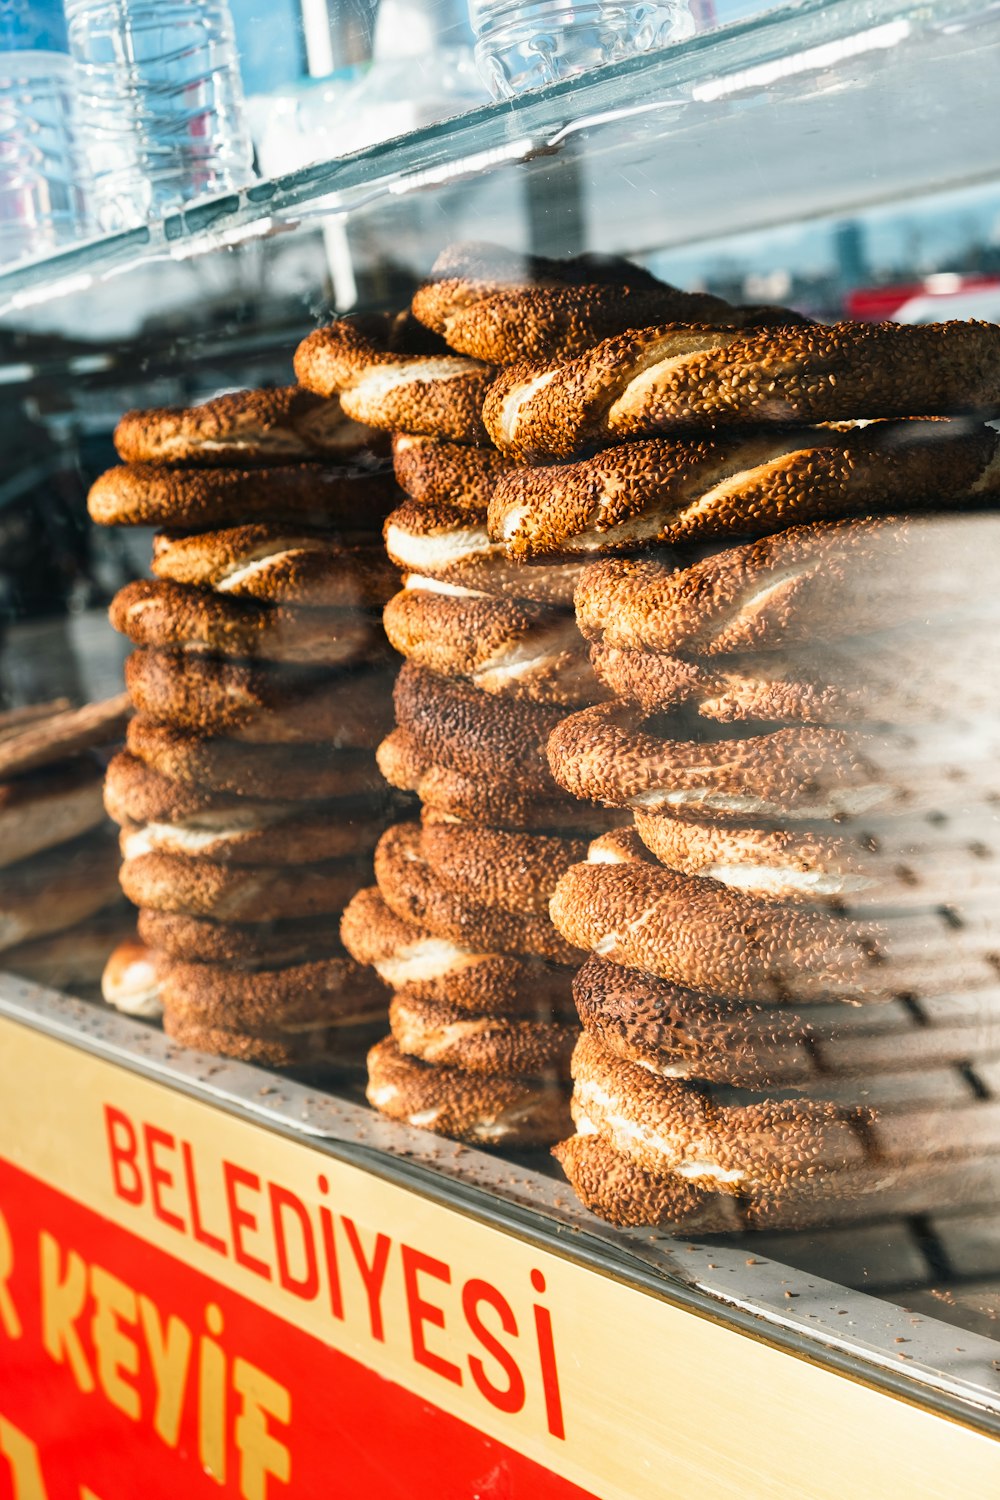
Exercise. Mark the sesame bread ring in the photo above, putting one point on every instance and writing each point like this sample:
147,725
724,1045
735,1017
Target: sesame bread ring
330,990
57,889
295,494
668,1125
802,586
435,395
47,807
515,871
515,1113
263,834
173,615
129,980
664,492
450,1037
433,472
702,935
606,754
279,565
447,551
316,1045
508,647
305,773
234,893
421,967
616,1188
243,945
32,739
559,322
242,427
411,890
672,376
259,702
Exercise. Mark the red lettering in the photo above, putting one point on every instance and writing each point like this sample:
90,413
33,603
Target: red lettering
509,1398
547,1358
124,1149
308,1285
159,1176
330,1255
201,1234
241,1218
372,1275
420,1311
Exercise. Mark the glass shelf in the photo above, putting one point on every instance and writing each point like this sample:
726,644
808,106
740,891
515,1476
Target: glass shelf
812,109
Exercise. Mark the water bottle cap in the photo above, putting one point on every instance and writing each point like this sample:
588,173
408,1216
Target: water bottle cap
32,26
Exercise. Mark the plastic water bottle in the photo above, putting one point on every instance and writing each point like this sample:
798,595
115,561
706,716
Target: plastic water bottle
43,202
521,44
161,103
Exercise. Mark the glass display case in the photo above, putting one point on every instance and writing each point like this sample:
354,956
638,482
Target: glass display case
548,709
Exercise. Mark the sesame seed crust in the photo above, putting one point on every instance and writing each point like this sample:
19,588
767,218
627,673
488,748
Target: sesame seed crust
289,772
509,647
667,1125
490,984
432,395
245,945
258,702
616,1188
302,494
516,871
330,989
450,1037
410,888
475,1107
321,1045
434,472
664,378
175,615
326,830
278,564
663,492
199,887
422,540
241,427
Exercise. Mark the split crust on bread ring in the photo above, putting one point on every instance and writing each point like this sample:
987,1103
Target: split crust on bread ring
508,647
421,967
198,887
478,796
57,888
47,807
664,492
240,945
450,1037
475,1107
243,427
673,376
129,980
278,564
615,754
668,1125
192,499
411,890
434,472
701,934
805,585
448,551
332,990
262,834
290,773
435,395
177,617
515,871
614,1186
259,702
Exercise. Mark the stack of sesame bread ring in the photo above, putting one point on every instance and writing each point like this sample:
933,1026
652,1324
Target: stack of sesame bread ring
60,907
247,795
788,988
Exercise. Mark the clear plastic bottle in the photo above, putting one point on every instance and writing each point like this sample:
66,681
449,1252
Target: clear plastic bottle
522,44
161,103
43,200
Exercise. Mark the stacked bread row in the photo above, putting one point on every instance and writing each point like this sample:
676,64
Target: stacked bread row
60,906
248,797
481,1016
780,1027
